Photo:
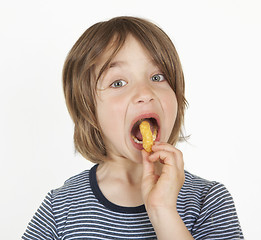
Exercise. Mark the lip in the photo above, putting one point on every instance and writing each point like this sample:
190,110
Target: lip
145,115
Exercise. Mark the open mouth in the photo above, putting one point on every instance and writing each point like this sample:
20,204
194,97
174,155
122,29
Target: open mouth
136,134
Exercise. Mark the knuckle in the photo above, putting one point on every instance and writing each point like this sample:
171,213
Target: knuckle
179,153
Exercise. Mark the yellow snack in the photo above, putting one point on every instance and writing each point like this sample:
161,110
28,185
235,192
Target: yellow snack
147,137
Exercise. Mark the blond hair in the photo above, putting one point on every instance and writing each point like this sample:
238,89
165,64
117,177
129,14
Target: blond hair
80,82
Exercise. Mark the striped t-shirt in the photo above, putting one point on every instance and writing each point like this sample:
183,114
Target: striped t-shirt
79,210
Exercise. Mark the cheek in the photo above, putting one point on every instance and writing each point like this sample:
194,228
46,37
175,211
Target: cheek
170,106
174,107
110,114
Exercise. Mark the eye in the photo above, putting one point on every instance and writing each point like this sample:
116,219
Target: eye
118,84
158,78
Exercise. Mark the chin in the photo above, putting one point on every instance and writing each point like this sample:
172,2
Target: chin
136,156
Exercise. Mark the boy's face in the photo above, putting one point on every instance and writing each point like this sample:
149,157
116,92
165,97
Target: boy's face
133,88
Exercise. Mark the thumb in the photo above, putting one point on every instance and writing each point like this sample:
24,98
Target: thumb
149,179
148,167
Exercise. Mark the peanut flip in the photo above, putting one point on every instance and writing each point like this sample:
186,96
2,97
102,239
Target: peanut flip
147,137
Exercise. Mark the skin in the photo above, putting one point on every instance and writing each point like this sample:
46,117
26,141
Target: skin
125,91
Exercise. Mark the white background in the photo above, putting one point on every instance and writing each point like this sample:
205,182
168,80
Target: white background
219,45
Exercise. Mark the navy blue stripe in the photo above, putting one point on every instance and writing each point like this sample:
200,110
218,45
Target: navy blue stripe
99,195
79,210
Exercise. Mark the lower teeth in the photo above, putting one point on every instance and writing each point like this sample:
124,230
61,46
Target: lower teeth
136,140
141,142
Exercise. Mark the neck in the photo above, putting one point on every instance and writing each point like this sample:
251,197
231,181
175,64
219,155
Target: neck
126,171
120,181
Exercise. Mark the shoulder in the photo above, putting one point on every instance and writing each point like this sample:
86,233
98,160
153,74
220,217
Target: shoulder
204,192
207,208
213,198
57,206
72,187
196,195
200,186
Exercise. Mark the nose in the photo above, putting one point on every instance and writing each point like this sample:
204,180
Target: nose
143,94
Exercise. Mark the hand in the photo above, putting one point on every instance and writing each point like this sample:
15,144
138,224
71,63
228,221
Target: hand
160,192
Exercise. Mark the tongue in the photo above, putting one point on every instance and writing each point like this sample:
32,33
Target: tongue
138,136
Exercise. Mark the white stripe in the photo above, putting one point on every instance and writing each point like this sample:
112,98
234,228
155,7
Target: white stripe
206,208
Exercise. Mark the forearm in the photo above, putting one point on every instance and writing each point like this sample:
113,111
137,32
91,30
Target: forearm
168,225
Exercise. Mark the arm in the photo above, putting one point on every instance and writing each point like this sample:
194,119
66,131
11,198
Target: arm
160,193
218,218
42,225
168,225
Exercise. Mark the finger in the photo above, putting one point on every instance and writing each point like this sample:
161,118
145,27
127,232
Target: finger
149,177
148,166
163,156
167,158
165,147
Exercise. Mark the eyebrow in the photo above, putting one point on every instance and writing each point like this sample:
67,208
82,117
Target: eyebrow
116,64
119,63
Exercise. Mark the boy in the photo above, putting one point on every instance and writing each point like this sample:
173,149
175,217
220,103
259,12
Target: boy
118,74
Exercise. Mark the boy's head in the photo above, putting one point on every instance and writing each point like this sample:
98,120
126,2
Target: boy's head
80,76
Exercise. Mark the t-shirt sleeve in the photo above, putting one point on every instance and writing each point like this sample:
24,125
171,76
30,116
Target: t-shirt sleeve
218,218
42,225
